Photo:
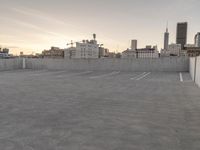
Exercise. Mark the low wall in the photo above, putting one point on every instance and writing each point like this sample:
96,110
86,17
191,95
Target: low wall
162,64
192,67
195,69
10,64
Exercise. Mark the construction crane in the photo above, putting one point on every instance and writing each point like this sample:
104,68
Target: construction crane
72,43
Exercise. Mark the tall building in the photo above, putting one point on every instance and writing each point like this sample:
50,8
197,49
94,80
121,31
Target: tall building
166,39
181,34
133,44
197,40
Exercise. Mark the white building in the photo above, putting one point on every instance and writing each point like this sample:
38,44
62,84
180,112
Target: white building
174,49
70,53
148,52
165,53
87,49
129,53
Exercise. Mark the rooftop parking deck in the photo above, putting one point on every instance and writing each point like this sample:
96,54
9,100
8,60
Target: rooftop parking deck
98,110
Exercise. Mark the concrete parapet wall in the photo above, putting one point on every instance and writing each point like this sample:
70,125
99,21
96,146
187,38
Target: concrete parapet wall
10,64
161,64
197,80
195,69
192,67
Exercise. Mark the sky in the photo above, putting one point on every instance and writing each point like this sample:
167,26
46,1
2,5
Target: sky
34,25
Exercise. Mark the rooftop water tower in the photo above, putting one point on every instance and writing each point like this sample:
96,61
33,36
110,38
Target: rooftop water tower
94,37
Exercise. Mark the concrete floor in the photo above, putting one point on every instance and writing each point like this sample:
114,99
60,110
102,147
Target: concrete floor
47,110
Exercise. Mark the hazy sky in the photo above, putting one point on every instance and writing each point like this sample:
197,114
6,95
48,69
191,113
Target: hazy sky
34,25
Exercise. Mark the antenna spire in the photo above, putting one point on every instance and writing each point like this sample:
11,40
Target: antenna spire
167,27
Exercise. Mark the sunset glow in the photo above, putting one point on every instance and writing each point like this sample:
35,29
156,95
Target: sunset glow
32,26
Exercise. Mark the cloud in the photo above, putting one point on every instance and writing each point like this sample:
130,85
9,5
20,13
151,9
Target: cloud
8,46
45,23
37,14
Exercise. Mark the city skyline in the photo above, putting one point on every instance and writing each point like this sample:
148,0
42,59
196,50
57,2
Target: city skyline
37,25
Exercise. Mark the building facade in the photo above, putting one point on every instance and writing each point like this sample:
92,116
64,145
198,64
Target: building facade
148,52
189,45
133,44
181,34
193,51
70,53
165,53
103,52
87,49
174,49
197,40
54,52
4,53
129,53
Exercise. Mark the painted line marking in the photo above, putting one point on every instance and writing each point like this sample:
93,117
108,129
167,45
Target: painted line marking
188,81
145,75
105,75
138,76
37,74
47,73
75,74
181,77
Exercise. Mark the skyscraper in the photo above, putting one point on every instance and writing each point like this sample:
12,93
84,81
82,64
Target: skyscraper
133,44
197,40
166,39
181,34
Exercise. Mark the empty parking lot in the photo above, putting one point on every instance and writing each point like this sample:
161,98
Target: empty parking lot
91,110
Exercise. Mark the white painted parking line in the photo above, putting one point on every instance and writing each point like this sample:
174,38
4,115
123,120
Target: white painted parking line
36,74
181,77
138,76
47,73
75,74
188,81
145,75
105,75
